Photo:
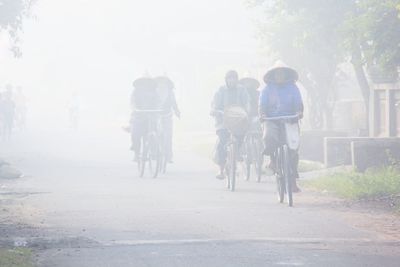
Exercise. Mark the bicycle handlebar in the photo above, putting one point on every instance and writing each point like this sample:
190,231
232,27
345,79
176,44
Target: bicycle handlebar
148,110
297,116
154,111
167,114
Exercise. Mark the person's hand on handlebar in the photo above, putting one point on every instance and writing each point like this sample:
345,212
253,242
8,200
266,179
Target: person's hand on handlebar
290,119
296,119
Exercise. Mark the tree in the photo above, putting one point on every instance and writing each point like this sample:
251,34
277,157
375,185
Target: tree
317,36
303,34
12,13
371,37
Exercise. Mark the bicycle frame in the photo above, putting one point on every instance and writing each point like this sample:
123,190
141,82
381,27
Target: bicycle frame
231,165
151,148
284,172
253,154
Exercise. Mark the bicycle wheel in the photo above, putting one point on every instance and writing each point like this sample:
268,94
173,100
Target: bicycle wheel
228,178
163,154
233,165
258,158
163,161
228,168
280,178
143,158
287,175
248,158
154,158
164,164
259,165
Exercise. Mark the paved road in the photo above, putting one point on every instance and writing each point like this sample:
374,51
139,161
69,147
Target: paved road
83,196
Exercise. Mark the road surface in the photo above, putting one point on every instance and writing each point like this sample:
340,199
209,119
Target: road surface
82,204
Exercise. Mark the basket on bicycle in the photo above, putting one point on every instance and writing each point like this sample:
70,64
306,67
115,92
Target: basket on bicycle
236,120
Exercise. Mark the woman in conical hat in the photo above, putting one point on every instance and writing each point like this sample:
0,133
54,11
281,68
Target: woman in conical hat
144,97
280,97
281,73
145,83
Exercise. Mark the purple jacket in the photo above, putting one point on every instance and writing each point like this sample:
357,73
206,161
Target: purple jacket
280,100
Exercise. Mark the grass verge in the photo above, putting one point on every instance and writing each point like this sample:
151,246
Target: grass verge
18,257
374,184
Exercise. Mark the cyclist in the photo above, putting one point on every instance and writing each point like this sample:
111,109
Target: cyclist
144,97
231,94
280,97
165,91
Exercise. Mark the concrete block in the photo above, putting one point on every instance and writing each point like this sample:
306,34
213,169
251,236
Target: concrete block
312,144
375,152
337,151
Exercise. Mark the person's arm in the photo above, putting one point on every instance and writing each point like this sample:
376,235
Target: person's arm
299,105
175,104
247,100
133,105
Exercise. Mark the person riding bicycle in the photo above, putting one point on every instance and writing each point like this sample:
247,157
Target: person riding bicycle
280,97
165,91
144,97
231,94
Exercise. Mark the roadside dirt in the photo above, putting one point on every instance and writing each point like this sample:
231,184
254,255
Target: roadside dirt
379,216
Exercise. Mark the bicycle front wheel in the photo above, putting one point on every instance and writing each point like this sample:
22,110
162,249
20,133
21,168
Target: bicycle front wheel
258,158
163,160
154,156
142,158
232,166
287,175
280,178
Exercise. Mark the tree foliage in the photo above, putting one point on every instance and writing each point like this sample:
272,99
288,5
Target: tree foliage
316,37
12,13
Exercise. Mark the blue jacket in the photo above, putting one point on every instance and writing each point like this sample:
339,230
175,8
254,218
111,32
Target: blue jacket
280,100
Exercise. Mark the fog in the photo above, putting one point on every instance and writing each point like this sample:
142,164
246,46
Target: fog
298,168
96,48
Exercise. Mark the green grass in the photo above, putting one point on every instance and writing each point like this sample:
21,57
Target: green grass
18,257
352,185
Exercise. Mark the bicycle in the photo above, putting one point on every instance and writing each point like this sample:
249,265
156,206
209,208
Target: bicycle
289,141
164,154
253,152
232,160
235,120
151,151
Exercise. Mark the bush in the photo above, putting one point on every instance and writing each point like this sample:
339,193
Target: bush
372,184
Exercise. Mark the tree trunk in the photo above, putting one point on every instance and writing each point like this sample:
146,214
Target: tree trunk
362,80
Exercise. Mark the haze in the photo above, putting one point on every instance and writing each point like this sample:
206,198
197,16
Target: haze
97,49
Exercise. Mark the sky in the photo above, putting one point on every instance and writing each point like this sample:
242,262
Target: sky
97,48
